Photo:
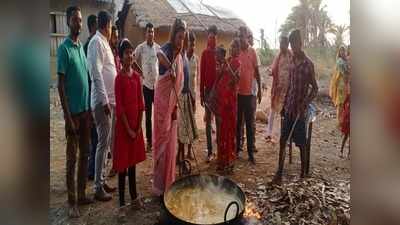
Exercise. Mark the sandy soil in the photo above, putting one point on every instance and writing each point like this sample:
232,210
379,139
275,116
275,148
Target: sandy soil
325,163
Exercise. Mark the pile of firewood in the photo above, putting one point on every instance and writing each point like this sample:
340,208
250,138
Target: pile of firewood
308,201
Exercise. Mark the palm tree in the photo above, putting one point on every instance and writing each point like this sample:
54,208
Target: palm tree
324,25
289,24
298,19
313,21
303,14
338,31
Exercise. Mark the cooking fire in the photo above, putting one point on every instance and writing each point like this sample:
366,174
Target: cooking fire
250,211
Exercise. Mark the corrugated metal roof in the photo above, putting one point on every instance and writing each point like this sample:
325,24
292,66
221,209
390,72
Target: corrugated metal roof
198,16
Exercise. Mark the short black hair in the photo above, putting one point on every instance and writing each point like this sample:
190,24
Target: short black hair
243,29
149,25
123,45
212,29
70,10
91,20
103,18
294,35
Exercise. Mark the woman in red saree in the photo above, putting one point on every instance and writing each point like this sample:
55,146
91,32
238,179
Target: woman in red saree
168,85
226,92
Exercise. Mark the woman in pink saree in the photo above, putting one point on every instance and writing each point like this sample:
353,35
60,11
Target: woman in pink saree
167,88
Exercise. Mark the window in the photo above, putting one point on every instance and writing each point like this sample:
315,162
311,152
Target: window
58,23
58,30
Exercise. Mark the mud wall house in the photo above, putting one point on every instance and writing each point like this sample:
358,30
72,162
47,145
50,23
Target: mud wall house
135,14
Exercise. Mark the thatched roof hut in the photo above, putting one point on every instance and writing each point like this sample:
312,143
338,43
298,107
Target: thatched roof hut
162,13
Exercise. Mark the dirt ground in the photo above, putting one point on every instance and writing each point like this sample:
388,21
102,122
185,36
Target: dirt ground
325,163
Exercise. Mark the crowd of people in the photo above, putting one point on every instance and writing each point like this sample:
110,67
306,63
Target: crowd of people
107,85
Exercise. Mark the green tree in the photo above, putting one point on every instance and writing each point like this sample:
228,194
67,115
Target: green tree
312,19
265,53
338,31
324,26
299,18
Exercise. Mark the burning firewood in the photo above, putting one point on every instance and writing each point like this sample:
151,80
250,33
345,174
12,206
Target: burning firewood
310,201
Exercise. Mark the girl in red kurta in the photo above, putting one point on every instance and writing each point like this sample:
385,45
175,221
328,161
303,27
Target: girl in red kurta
227,89
129,143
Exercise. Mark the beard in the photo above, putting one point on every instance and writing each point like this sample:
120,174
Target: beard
76,32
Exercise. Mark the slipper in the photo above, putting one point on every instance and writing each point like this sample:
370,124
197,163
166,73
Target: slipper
137,203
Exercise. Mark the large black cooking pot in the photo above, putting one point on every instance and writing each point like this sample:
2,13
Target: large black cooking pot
203,181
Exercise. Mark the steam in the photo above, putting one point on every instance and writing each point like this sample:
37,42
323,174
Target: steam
205,201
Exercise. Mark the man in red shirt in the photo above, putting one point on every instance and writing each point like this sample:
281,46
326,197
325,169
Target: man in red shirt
207,78
246,100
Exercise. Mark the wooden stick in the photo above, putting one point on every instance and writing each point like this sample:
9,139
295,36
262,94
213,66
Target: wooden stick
166,60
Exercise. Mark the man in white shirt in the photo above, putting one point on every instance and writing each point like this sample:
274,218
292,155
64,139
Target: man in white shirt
102,72
146,56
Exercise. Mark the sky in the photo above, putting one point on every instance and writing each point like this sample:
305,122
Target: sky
270,14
